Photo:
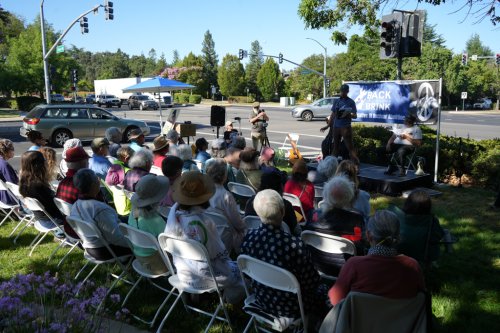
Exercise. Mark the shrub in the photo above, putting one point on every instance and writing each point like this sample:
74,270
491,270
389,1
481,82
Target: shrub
241,99
485,168
26,103
195,99
5,102
181,98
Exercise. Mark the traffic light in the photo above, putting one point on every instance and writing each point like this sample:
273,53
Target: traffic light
327,83
108,9
464,59
52,71
84,25
390,35
74,76
280,58
241,54
498,59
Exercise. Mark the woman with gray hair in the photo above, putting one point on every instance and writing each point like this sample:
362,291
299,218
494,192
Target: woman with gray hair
91,210
224,203
185,153
271,244
382,272
114,136
140,165
325,171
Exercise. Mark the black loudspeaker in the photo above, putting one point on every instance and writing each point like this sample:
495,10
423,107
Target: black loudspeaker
217,115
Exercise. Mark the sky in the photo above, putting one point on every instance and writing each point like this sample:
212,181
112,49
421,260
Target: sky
167,25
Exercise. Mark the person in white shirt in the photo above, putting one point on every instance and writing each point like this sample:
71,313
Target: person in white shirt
403,142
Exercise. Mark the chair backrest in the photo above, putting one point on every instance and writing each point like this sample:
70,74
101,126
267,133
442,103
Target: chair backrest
295,201
320,204
63,206
318,192
5,187
287,144
252,221
241,189
328,243
188,249
156,170
14,189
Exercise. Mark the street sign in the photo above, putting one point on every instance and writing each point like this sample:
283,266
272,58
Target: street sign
474,57
464,94
60,49
305,71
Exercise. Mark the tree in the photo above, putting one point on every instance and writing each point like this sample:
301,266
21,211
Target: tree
231,76
161,64
210,63
475,46
431,36
175,58
269,80
301,84
253,67
319,14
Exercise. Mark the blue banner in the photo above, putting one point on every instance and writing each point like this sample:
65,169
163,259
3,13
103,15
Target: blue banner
392,101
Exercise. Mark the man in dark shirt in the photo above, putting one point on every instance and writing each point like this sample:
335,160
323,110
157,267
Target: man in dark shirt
343,111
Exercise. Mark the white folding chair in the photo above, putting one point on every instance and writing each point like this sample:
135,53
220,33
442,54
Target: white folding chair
252,221
34,205
156,170
27,219
318,195
200,165
295,201
329,244
141,239
65,208
241,190
407,163
284,150
222,228
320,204
272,277
7,209
189,249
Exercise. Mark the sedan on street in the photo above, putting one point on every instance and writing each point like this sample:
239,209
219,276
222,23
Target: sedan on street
321,108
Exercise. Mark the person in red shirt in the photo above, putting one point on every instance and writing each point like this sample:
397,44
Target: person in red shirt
383,272
76,159
160,150
301,187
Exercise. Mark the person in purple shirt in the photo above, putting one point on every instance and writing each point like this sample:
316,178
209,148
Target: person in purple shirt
7,172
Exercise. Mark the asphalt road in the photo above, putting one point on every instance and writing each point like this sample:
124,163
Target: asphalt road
473,124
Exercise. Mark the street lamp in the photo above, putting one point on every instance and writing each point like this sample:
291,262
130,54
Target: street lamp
324,66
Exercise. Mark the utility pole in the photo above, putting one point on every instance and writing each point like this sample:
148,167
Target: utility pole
324,66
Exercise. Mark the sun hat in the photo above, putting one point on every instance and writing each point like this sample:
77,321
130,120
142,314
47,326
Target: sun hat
255,104
267,154
135,133
248,154
76,154
300,166
159,143
150,189
193,188
99,142
228,123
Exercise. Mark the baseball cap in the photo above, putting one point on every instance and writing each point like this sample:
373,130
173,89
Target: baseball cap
76,154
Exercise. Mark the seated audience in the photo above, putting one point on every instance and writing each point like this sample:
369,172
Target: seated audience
140,165
272,181
114,136
325,171
239,142
117,171
160,150
70,143
416,222
302,188
76,158
34,183
361,201
201,150
382,272
37,139
144,216
224,203
187,220
99,163
137,140
276,247
89,209
172,169
230,133
266,162
218,148
7,172
232,159
51,158
249,172
185,153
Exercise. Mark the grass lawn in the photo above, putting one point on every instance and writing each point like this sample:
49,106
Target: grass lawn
465,285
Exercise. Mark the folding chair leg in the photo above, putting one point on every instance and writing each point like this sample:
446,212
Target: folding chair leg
55,251
6,216
37,243
22,229
213,317
98,310
90,274
161,307
131,290
81,270
249,324
18,225
169,312
67,254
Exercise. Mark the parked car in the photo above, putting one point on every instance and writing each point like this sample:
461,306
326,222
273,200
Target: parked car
90,99
56,98
141,102
78,100
483,104
321,108
108,100
59,123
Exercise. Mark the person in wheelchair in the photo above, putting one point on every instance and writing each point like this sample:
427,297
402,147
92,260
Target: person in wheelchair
402,143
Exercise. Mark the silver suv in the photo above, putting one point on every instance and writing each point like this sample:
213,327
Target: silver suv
321,108
108,100
141,102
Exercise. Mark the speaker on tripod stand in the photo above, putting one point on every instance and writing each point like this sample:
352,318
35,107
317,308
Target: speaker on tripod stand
217,117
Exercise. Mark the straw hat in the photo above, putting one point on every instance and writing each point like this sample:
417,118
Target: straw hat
193,188
160,142
150,189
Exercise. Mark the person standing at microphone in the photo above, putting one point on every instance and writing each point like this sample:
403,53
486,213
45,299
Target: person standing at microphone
258,118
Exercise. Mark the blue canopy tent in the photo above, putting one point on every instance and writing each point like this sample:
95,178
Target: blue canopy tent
157,85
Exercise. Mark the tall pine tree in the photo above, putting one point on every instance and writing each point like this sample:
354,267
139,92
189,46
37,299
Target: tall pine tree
210,63
253,67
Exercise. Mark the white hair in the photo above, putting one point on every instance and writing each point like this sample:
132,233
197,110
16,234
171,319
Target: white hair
113,134
327,167
216,168
172,136
269,206
142,158
338,192
70,143
184,152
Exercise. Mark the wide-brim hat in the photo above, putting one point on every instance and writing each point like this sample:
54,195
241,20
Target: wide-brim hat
193,188
135,133
255,104
160,142
149,190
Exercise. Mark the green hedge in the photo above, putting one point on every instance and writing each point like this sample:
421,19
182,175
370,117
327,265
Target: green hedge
5,102
195,99
457,156
26,103
181,98
241,99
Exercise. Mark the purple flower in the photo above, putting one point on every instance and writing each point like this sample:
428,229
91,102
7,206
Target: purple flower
115,298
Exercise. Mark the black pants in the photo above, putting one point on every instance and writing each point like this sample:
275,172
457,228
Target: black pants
102,253
401,152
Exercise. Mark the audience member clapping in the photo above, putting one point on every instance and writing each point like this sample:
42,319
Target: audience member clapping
302,188
382,272
140,165
89,209
361,200
114,136
187,219
224,203
144,216
99,162
7,172
160,150
249,172
117,171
